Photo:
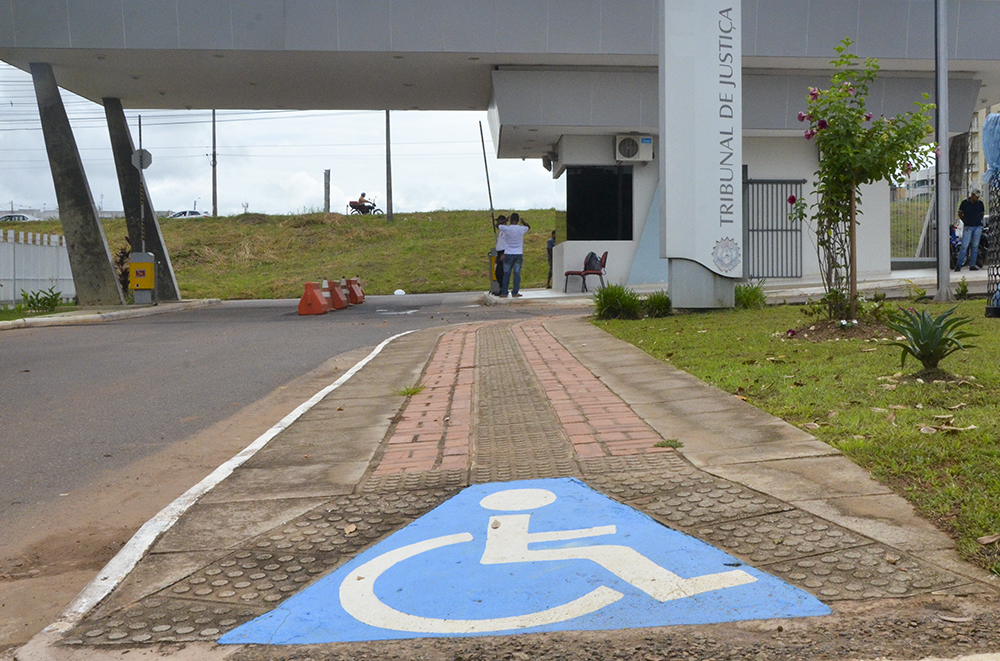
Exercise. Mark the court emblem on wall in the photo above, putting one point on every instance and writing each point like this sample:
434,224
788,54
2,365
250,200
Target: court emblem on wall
726,255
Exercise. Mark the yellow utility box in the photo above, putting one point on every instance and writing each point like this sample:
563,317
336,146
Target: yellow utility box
142,277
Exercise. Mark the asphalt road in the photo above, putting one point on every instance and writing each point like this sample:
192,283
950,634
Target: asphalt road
79,400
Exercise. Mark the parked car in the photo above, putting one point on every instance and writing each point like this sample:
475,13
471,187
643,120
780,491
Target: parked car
191,213
16,218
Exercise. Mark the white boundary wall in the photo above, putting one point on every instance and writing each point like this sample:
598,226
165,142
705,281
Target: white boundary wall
33,262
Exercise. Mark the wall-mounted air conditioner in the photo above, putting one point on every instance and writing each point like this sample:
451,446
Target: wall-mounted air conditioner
633,148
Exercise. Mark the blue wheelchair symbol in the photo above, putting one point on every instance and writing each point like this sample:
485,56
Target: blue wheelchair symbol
516,558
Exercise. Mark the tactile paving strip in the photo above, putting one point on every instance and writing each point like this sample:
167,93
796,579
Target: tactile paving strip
162,620
266,570
419,480
827,560
516,434
780,537
866,572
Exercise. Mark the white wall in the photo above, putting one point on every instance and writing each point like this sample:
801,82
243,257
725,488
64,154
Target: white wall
33,262
796,158
569,255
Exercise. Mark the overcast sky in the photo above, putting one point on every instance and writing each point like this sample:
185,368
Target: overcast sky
272,160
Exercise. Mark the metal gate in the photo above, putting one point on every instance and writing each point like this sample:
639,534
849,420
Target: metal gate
772,243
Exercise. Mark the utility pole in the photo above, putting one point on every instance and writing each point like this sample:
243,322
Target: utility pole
943,180
326,191
215,180
388,171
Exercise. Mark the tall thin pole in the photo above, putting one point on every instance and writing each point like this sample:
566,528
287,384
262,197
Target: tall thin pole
943,180
388,171
142,196
215,180
486,165
326,191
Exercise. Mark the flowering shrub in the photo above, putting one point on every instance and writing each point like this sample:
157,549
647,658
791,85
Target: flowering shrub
854,149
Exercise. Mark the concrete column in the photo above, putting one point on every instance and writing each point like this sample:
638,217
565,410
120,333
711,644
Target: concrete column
700,156
89,258
130,179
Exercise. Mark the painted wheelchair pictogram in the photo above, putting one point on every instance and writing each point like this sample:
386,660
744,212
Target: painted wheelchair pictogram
507,542
524,557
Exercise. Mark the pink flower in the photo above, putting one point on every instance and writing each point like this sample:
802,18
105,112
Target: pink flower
868,117
802,116
791,332
809,134
822,124
791,199
850,90
813,93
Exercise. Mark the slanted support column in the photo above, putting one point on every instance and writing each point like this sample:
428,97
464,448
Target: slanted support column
130,179
89,257
701,155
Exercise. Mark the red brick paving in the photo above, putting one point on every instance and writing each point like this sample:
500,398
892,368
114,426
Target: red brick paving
435,429
597,422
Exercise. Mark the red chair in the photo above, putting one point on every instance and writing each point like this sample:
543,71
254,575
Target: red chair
585,272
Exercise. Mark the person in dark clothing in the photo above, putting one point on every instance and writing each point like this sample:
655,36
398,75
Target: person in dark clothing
549,245
498,271
971,211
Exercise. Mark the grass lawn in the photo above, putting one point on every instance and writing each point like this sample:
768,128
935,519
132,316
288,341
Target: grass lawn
10,313
852,394
258,256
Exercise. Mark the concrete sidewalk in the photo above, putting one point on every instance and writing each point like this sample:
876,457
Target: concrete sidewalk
529,399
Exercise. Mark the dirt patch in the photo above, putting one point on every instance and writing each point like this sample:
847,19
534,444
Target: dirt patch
86,549
828,330
942,626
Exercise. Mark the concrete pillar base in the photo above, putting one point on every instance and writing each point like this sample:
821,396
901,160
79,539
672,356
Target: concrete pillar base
131,182
89,257
694,287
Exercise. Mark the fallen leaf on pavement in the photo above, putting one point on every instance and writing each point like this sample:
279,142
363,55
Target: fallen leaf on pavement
989,539
957,620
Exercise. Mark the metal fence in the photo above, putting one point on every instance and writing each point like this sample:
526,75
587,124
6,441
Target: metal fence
33,263
913,227
772,243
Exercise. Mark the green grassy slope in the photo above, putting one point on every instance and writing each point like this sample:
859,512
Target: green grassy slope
258,256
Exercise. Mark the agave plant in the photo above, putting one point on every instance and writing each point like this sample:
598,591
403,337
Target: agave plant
928,339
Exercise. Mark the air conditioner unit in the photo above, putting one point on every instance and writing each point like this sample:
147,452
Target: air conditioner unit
633,148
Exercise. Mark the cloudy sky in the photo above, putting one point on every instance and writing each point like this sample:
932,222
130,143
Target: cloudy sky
273,161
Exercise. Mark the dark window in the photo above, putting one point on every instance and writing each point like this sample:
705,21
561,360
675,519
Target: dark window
599,203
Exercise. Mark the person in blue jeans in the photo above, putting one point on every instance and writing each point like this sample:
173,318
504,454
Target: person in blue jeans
971,211
513,255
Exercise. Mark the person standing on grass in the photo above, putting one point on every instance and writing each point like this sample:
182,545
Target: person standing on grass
498,270
549,246
971,211
513,253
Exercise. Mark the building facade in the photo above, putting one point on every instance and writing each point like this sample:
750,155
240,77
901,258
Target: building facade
606,93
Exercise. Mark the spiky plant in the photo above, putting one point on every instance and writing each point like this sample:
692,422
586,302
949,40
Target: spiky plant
929,339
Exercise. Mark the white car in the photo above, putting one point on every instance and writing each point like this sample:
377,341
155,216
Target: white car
189,214
16,218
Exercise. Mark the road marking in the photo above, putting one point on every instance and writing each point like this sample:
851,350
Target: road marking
125,560
518,557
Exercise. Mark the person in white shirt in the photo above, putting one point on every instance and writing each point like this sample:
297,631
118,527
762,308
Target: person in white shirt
513,254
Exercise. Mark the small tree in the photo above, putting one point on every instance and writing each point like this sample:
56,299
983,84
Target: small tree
854,149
